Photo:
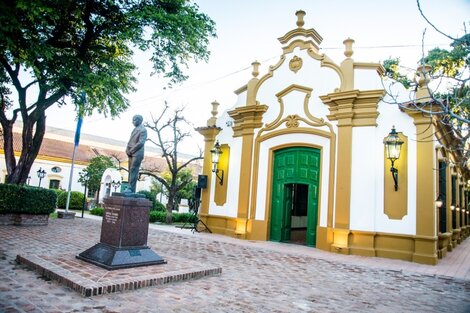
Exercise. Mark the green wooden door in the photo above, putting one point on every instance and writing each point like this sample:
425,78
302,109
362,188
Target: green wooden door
298,165
286,212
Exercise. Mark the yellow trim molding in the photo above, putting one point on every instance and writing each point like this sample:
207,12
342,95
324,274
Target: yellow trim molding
220,192
354,107
425,178
209,133
419,249
246,119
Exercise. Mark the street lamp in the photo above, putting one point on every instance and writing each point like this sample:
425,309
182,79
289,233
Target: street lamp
116,185
215,153
41,174
393,148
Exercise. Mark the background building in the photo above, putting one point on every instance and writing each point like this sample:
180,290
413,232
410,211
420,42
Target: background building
55,158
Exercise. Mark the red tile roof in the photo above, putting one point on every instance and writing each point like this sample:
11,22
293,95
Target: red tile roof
63,150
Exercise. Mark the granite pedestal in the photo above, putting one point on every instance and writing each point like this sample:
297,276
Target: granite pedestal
124,232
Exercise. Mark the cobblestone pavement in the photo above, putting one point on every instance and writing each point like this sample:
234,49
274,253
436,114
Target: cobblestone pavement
254,278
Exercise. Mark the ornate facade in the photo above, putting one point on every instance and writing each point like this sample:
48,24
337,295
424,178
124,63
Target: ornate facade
303,160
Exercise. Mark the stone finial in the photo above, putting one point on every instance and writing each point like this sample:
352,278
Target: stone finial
423,73
255,71
300,18
348,51
212,121
214,111
422,94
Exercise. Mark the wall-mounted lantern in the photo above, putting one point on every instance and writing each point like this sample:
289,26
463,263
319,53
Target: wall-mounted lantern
41,174
439,202
116,185
215,153
393,148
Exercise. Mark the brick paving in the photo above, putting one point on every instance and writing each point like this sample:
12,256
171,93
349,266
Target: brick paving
256,276
90,280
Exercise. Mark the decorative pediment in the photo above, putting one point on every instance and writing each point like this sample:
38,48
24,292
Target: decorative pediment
293,121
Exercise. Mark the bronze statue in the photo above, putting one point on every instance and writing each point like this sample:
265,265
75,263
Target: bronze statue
135,151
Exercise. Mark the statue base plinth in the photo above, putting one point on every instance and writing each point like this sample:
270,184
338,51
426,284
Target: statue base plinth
112,258
124,231
128,195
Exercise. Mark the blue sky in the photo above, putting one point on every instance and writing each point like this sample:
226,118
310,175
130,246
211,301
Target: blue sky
248,30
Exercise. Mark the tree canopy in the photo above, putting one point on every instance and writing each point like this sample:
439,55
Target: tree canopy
449,89
451,66
51,50
184,176
94,171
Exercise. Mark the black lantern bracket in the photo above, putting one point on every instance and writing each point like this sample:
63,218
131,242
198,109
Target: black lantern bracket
221,176
394,172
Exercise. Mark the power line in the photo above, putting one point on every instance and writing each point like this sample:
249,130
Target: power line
387,47
141,102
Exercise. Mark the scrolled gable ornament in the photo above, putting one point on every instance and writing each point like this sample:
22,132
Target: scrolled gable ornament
295,64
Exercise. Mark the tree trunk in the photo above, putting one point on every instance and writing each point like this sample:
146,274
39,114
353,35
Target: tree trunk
169,208
10,160
97,199
33,134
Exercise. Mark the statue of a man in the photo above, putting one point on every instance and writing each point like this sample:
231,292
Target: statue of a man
135,151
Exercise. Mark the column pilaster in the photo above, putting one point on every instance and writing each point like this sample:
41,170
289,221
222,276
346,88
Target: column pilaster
425,250
209,133
246,120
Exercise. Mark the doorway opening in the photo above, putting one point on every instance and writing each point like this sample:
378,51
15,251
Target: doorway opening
299,205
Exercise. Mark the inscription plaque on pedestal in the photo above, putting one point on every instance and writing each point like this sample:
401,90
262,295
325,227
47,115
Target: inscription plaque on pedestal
124,232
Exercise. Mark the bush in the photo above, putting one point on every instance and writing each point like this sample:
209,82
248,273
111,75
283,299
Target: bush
58,191
156,205
160,217
26,199
184,218
159,206
148,195
157,217
97,211
76,200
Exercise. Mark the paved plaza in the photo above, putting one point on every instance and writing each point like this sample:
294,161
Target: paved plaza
256,276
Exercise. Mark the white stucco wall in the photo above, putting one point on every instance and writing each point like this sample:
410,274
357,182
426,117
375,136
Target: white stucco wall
365,172
47,165
367,177
367,79
230,207
391,115
322,80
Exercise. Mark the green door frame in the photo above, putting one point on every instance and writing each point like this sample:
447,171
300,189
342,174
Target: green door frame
294,165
